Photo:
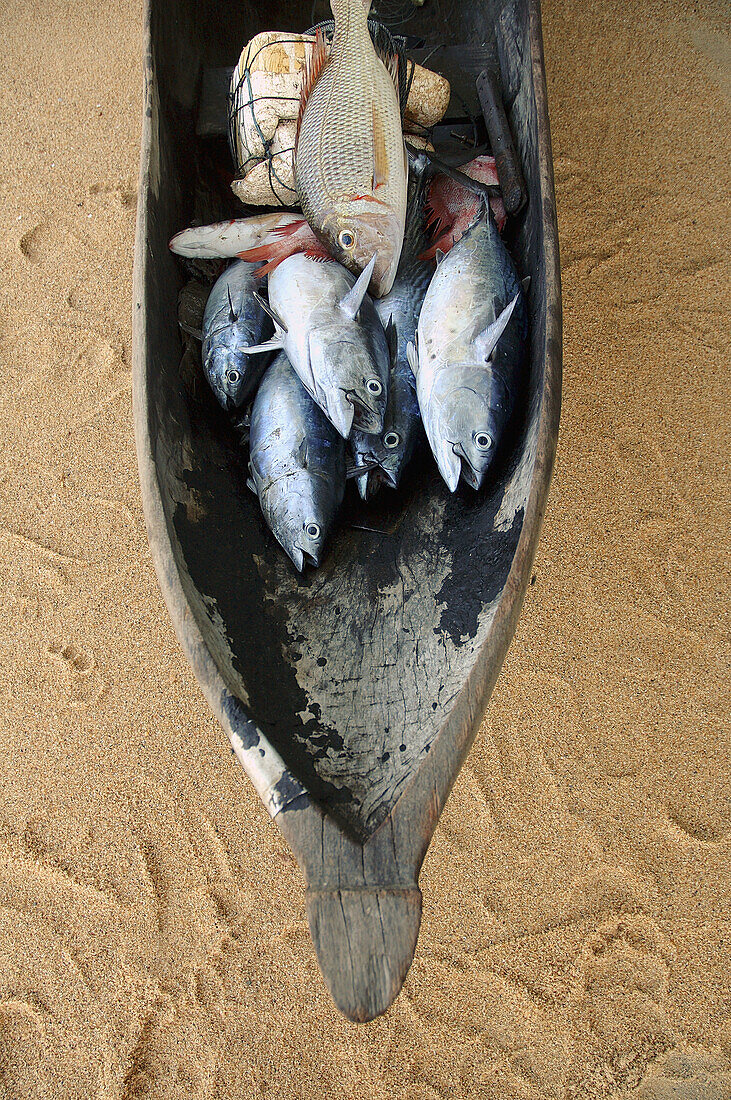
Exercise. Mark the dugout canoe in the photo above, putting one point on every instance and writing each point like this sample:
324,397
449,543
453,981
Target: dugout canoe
350,694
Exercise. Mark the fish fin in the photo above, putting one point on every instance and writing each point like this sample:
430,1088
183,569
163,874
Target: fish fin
268,267
380,153
392,339
314,66
195,332
272,312
525,283
231,311
250,483
286,230
389,59
317,252
486,341
275,344
254,255
353,300
412,356
439,256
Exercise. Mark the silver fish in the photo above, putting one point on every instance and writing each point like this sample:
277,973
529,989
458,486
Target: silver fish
234,319
350,160
297,464
333,338
392,450
471,344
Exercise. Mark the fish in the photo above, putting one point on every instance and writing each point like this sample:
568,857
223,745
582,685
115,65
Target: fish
296,464
333,337
470,350
392,450
232,320
229,238
270,237
452,208
350,157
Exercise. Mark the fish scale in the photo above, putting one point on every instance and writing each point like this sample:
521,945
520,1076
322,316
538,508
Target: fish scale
349,140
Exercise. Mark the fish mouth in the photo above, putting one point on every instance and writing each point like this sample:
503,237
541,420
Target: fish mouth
472,476
225,400
340,413
384,275
390,476
448,461
370,483
300,557
365,419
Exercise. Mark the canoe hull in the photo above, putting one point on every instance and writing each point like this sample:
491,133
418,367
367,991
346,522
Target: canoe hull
446,575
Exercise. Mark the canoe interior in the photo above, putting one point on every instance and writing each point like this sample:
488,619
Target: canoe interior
349,671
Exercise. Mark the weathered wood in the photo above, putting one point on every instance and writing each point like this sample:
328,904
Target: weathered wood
350,694
501,141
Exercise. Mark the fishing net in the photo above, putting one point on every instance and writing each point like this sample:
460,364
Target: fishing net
394,13
263,104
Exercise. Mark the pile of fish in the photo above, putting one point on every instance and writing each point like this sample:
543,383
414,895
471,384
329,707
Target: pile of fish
336,326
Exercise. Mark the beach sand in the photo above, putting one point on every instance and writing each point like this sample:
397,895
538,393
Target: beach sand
577,896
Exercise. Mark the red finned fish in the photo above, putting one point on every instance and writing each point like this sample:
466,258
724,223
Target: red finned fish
285,241
452,208
350,159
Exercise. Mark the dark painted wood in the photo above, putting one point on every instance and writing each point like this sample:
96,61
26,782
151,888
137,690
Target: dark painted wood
507,162
351,694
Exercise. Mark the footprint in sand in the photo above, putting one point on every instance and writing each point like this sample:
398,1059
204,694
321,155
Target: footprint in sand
689,822
623,980
98,361
690,1074
37,244
84,682
80,663
121,192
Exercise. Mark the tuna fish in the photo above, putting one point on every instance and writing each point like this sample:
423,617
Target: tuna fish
400,308
333,338
471,344
234,319
297,464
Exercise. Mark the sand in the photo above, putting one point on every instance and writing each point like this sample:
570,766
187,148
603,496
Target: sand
577,922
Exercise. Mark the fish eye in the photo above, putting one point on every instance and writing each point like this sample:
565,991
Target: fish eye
346,238
312,530
391,439
374,386
483,441
232,376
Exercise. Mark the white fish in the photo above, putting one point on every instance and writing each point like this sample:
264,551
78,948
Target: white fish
230,238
